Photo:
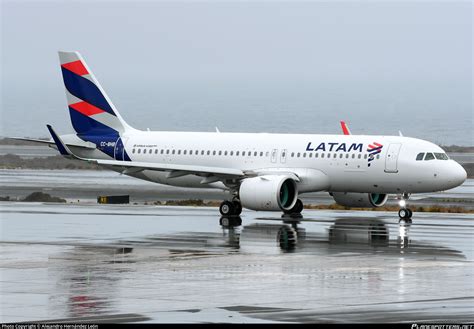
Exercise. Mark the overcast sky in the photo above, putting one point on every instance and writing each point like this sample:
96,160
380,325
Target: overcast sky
143,51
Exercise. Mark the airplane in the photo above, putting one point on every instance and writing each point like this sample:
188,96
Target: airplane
262,171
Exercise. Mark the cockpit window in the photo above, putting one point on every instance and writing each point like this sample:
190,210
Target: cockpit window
441,156
420,156
429,156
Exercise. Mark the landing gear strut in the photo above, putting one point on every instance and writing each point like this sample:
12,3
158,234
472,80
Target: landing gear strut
405,213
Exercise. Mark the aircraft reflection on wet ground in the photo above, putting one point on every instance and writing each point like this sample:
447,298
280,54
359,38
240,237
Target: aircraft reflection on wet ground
122,264
353,234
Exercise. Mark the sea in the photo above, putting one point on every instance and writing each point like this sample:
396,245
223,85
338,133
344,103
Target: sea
413,109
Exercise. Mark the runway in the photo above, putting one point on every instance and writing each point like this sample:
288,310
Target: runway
136,263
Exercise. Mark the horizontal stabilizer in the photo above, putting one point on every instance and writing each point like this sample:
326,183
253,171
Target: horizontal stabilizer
85,145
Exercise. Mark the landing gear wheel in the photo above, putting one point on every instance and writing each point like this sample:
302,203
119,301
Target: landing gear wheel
237,208
297,208
405,214
226,208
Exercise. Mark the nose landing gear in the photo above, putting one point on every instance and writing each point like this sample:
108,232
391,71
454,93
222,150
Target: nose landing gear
405,213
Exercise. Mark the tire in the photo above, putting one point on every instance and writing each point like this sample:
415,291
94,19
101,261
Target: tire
410,213
226,208
297,208
403,213
237,208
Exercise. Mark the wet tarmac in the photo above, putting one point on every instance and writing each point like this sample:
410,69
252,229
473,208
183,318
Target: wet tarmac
124,263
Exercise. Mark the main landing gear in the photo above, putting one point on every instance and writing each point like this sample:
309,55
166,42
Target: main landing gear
230,208
294,212
405,213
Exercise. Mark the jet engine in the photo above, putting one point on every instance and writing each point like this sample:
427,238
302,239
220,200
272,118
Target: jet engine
363,200
268,192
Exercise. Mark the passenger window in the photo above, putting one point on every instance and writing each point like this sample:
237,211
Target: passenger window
429,156
220,152
133,151
162,151
243,153
322,155
359,156
316,155
202,152
150,151
353,155
365,156
347,155
190,152
139,150
378,156
167,151
255,153
184,152
420,156
156,151
214,152
335,155
237,153
268,153
261,154
341,155
231,152
173,152
298,155
292,154
311,155
304,155
179,152
208,152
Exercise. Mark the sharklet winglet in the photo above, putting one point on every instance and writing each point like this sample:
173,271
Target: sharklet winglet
62,148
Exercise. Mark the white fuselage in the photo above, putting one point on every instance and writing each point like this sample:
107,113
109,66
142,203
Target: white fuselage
333,163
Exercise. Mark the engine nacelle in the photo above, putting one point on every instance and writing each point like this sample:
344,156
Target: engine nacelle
268,192
362,200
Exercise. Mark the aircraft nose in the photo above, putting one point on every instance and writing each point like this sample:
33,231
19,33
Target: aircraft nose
457,174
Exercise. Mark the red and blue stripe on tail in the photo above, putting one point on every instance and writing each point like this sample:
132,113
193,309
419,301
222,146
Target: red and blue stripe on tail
93,116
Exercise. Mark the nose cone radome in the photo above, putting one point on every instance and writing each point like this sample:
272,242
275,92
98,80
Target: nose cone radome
457,174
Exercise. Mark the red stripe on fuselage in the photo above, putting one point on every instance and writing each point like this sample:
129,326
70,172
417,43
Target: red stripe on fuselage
86,108
76,67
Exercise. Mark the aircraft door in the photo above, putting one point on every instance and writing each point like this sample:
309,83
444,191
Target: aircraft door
274,155
283,156
118,151
391,158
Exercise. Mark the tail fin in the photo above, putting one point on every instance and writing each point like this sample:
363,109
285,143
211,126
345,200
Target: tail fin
91,111
345,128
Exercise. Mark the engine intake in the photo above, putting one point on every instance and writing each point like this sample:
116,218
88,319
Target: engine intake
268,192
362,200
